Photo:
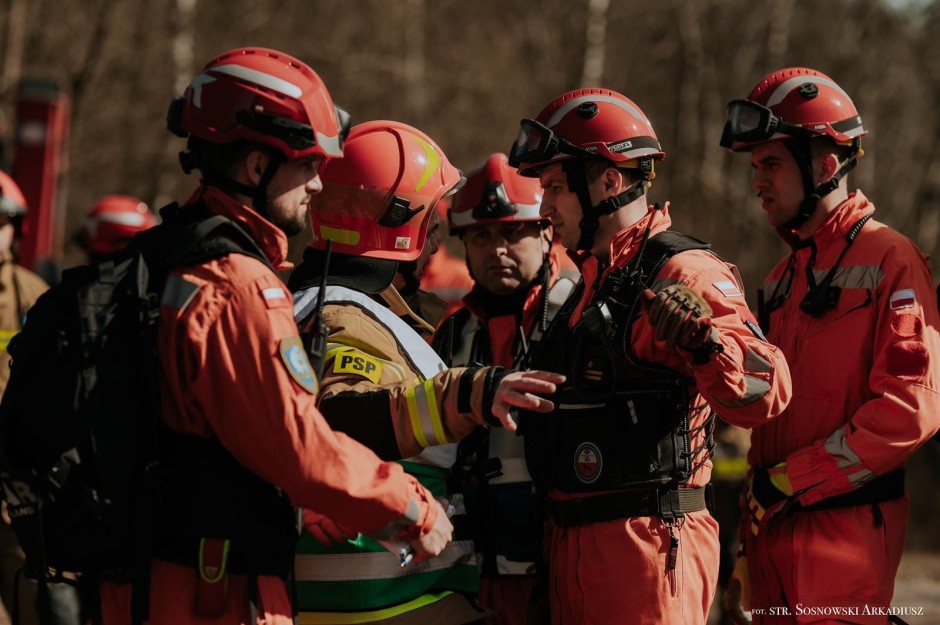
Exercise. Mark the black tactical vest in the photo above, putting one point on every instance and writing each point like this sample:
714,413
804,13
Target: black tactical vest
618,424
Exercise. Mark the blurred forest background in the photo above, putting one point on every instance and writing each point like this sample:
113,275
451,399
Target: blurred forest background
467,71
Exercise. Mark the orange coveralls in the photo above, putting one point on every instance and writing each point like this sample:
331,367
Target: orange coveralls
616,571
865,396
224,375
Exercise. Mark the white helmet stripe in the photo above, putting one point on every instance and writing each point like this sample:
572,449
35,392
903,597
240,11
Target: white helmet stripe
563,110
122,219
788,85
329,145
524,212
260,78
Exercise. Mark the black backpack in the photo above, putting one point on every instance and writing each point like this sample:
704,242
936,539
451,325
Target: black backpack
79,459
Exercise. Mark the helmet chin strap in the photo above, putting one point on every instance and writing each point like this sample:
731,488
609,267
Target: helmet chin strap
258,194
590,212
800,149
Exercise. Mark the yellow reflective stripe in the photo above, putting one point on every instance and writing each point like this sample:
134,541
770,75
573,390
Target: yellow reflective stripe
410,397
355,618
435,413
430,417
431,166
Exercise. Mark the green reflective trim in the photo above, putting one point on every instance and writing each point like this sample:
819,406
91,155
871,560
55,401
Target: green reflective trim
353,618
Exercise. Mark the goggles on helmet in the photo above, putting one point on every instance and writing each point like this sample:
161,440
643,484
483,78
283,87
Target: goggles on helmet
295,135
538,144
749,122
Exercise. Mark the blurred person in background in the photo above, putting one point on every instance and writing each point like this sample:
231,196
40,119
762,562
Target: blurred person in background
111,223
19,290
853,309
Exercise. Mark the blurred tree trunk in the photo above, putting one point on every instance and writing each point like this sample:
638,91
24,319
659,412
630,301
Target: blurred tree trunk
592,75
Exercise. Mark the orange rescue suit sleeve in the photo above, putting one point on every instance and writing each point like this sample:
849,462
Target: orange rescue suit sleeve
224,347
748,382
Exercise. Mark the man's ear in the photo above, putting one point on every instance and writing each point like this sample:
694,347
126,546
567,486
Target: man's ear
255,164
826,167
613,182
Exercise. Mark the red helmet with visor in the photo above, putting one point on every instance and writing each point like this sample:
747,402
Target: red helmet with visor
495,192
377,201
585,123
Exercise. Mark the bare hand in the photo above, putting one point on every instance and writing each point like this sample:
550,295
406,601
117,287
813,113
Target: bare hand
325,531
517,389
434,542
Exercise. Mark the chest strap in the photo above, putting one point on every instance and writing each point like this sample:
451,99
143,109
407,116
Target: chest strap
622,505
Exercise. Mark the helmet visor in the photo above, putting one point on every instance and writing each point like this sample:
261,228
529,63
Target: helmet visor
537,144
749,122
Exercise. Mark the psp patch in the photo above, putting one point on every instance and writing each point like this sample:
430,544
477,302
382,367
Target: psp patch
358,363
298,365
588,462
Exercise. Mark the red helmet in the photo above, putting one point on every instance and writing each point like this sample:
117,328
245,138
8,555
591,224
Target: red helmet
792,103
12,202
586,123
114,221
378,199
495,192
260,95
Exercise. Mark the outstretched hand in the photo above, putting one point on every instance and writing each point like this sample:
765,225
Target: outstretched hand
517,390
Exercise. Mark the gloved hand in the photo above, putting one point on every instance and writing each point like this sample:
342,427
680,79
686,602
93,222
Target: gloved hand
738,596
680,317
767,489
325,531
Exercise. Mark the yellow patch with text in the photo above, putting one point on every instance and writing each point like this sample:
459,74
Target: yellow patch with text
356,362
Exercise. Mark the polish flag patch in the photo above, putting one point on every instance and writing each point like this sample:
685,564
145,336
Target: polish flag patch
903,298
275,297
728,288
274,293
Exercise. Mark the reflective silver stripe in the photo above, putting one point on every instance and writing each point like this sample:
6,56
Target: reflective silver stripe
784,88
858,277
339,567
594,97
510,567
846,458
421,354
411,516
755,362
755,389
260,78
524,212
178,292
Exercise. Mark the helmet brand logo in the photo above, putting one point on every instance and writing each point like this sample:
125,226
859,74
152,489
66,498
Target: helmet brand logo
620,147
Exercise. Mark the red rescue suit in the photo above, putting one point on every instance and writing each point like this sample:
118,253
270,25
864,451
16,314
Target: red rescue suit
865,397
226,340
620,570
